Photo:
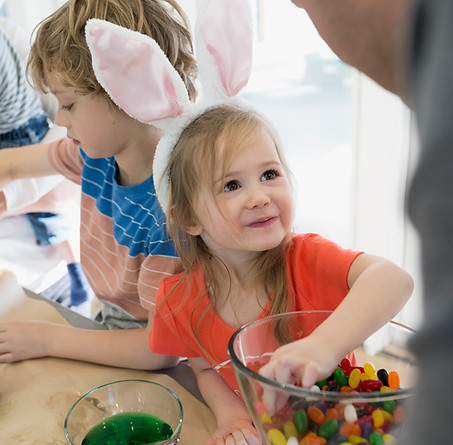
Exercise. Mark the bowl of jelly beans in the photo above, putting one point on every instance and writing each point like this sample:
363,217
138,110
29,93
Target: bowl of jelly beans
363,401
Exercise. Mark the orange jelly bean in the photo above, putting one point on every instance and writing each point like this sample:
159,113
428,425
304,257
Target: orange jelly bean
349,428
394,380
315,414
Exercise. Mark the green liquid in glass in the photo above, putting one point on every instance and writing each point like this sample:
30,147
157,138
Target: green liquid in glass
128,429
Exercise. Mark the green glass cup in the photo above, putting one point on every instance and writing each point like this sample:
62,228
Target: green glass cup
125,412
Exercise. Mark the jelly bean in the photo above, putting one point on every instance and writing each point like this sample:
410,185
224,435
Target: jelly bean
398,414
345,363
371,385
350,414
328,428
354,439
301,421
265,418
364,376
378,418
354,378
289,428
339,377
383,376
387,425
367,429
316,414
369,368
389,439
259,407
389,406
321,406
313,440
292,441
332,413
321,383
334,386
338,439
385,388
276,437
375,439
394,380
350,428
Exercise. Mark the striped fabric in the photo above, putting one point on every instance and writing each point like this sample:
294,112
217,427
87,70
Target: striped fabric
18,101
124,245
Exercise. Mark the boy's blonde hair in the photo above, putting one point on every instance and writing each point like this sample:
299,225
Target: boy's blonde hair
60,47
192,166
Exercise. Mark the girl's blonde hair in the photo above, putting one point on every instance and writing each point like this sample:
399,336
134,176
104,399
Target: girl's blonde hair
60,47
192,166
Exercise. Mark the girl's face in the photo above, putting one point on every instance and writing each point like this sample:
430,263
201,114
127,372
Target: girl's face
252,209
100,129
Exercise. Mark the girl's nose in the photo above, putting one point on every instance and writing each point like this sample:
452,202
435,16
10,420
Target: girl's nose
258,197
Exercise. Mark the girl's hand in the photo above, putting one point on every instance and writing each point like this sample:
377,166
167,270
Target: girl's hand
306,361
238,432
23,340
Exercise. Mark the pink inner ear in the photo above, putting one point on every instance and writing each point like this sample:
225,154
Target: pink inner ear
135,74
227,30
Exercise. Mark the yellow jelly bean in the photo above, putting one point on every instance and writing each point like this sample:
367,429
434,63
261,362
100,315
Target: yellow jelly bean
389,439
385,388
364,376
354,440
369,368
378,418
276,437
289,428
354,378
265,418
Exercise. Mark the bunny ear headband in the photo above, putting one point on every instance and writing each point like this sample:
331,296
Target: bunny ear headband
135,72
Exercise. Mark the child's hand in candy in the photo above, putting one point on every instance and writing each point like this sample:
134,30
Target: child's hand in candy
304,361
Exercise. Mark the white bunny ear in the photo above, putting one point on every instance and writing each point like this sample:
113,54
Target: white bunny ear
224,46
135,72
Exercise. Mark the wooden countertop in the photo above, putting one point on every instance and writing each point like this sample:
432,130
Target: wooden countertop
35,395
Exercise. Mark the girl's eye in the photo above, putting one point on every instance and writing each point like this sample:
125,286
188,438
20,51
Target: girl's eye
231,186
269,174
66,107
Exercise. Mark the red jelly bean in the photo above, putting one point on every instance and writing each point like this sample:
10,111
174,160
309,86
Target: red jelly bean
371,385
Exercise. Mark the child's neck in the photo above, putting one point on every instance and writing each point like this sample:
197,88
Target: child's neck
135,165
239,299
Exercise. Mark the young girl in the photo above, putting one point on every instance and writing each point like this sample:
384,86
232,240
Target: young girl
230,215
125,248
222,180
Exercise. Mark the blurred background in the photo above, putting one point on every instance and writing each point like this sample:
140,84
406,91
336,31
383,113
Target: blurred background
350,144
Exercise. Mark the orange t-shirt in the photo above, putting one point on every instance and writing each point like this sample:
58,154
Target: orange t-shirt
318,269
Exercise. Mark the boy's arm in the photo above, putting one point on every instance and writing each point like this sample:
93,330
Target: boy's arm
124,348
367,34
230,411
25,162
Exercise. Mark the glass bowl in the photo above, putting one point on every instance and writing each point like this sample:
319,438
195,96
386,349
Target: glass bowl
125,412
333,412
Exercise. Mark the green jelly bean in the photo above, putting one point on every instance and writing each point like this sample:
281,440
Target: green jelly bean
301,421
340,377
321,383
376,439
389,406
328,428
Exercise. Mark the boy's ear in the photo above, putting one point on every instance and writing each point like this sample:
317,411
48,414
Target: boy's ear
189,226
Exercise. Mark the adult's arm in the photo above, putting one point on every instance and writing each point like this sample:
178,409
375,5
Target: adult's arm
366,34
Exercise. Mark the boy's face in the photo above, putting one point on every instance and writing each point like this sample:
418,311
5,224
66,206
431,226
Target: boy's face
101,129
252,209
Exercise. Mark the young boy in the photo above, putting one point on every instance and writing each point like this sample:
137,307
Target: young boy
125,248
